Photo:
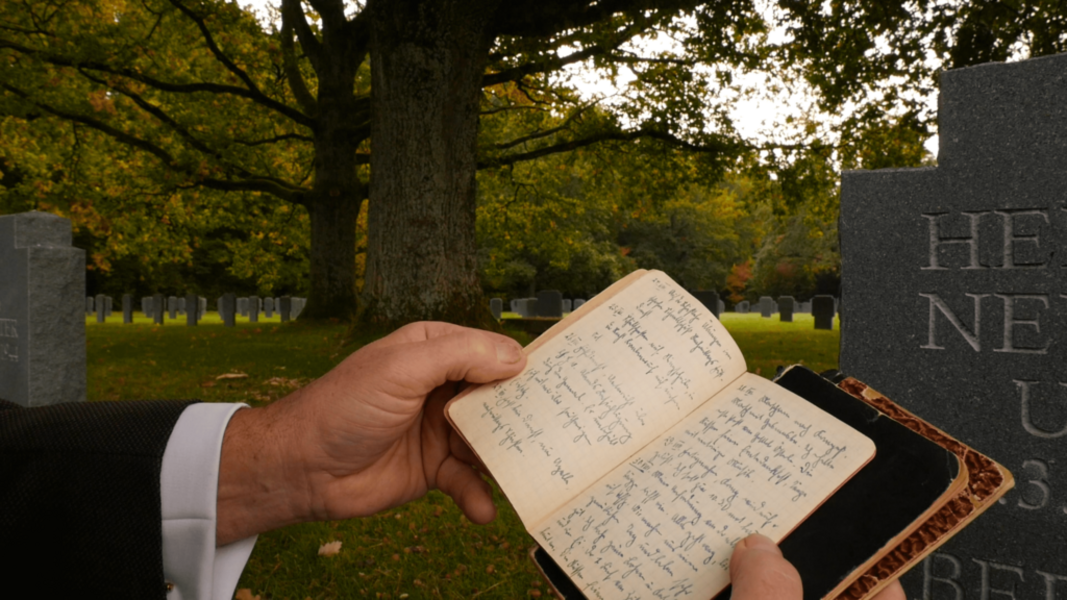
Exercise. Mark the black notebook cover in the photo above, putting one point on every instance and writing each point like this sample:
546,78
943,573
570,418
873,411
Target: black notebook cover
908,474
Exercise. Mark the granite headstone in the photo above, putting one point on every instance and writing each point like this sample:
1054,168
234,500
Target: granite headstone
822,309
227,309
285,308
549,303
709,299
42,299
101,308
192,302
127,309
742,307
158,309
766,306
496,306
955,278
786,306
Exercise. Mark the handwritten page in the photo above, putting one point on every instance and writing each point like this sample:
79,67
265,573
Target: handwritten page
594,395
757,459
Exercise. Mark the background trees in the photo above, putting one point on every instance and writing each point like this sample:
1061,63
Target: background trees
178,131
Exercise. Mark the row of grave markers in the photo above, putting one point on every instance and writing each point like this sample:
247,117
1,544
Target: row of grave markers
158,308
551,304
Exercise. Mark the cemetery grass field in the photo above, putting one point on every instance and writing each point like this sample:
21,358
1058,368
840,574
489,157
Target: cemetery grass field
425,549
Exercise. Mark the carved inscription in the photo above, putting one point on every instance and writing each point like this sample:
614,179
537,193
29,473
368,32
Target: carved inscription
1020,247
947,576
9,333
1021,316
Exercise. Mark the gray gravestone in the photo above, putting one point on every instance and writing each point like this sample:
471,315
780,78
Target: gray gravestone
549,303
285,308
956,282
228,309
127,309
268,308
567,306
101,308
298,306
146,307
242,306
496,306
191,304
514,305
822,308
804,307
742,307
172,307
89,305
158,308
578,303
253,309
181,306
766,306
710,300
108,302
203,306
42,324
786,305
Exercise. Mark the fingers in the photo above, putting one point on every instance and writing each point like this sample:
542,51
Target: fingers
443,352
468,490
759,572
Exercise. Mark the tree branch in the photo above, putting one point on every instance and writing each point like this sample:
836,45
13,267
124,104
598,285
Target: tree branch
294,14
540,134
261,184
622,136
277,138
292,70
181,88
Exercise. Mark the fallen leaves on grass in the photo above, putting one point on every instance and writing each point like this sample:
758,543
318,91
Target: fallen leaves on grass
330,548
232,376
245,594
282,381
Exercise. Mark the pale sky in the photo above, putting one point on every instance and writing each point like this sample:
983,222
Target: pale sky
759,115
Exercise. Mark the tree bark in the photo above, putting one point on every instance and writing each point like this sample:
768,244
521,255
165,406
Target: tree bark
427,62
337,193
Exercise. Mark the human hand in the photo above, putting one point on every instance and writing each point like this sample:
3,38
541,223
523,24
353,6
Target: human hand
759,572
369,435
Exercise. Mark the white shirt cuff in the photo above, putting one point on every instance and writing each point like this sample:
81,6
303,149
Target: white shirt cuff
189,484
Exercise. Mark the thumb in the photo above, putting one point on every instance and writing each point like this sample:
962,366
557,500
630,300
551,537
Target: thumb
759,572
462,354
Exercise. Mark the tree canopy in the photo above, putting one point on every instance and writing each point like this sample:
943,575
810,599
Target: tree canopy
172,131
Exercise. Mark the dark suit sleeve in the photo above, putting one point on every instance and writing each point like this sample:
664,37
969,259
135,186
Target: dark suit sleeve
80,500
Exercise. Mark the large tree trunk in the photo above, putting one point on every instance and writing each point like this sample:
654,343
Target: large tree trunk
427,61
335,199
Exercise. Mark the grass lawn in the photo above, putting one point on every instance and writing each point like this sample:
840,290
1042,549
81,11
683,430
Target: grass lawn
425,549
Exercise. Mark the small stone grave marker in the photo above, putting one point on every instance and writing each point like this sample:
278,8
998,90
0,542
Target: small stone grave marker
549,303
822,308
786,305
709,299
42,303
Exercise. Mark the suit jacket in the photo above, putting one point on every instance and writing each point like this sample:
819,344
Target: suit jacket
80,498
